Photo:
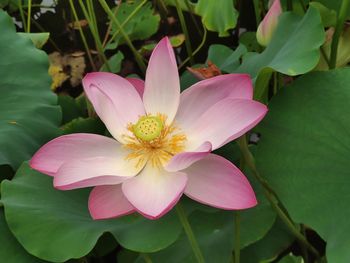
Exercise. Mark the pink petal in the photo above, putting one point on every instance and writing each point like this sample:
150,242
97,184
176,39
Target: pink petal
185,159
92,172
115,101
268,25
197,99
138,84
53,154
217,182
162,85
154,191
108,201
225,121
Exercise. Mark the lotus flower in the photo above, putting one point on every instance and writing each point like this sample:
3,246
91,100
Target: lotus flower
268,25
161,145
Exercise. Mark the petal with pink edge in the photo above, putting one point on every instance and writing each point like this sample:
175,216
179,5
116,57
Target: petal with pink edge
111,95
225,121
154,191
138,84
162,85
49,158
108,201
217,182
183,160
92,172
198,98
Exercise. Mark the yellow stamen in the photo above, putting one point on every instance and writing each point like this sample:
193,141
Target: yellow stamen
153,141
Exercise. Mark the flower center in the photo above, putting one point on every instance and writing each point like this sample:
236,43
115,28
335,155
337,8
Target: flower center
152,140
148,128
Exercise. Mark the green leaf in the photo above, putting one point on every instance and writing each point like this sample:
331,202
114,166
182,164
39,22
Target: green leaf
29,115
293,50
38,39
70,108
225,58
214,231
304,154
219,16
63,228
328,16
141,26
270,246
11,250
86,125
114,62
248,39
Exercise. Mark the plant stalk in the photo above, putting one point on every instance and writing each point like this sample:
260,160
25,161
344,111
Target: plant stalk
137,55
189,232
272,197
185,31
337,33
29,15
134,12
95,35
81,32
237,237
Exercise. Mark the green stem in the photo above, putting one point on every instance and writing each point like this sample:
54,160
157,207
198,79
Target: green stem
191,11
190,235
185,31
338,30
29,15
289,5
197,49
324,55
146,258
76,18
257,12
95,35
303,249
275,83
303,6
163,10
134,12
237,237
137,55
20,7
291,226
272,197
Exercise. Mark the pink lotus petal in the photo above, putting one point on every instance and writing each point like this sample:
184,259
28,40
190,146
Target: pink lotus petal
197,99
185,159
49,158
138,84
111,95
92,172
108,201
216,182
154,191
268,25
162,85
225,121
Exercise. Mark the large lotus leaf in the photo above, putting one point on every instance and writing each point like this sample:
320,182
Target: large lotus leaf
294,48
304,154
219,16
214,232
28,113
10,249
268,248
56,225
